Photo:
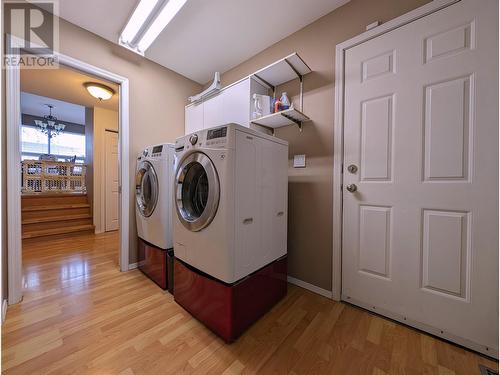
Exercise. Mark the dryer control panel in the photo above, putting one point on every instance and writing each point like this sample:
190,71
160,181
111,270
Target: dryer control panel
216,137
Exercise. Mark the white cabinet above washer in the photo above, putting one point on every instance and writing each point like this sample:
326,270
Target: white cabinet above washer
233,104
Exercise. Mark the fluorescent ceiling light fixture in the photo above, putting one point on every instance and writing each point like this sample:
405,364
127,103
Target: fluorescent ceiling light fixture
161,21
135,23
99,91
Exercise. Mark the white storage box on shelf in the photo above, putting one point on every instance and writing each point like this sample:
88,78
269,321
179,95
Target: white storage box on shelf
234,103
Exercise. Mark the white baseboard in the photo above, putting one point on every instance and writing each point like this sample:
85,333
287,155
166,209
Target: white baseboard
310,287
133,266
4,310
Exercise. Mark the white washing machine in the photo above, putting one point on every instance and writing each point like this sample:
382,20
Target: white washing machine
230,205
153,193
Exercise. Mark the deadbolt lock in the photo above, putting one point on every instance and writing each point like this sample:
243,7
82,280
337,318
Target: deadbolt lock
352,168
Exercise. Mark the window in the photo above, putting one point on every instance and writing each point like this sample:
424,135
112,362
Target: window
68,144
33,141
65,145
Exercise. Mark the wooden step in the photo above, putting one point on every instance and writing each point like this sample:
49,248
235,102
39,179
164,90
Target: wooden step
57,231
28,215
46,219
55,207
55,224
52,199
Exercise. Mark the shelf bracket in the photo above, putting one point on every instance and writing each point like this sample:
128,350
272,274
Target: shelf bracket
299,123
301,79
293,68
266,83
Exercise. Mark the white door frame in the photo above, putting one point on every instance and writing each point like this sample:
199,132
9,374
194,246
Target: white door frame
13,115
338,131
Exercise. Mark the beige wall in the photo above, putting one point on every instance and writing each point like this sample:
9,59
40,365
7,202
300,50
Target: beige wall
157,99
310,189
104,119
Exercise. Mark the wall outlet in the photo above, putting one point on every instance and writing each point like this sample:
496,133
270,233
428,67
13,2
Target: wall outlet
299,161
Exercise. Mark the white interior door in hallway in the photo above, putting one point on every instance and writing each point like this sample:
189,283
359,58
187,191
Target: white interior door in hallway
112,180
420,233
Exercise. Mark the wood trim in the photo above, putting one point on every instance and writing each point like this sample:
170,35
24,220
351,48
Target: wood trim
124,165
310,287
14,243
338,132
4,310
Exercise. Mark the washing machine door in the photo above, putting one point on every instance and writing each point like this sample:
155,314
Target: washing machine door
197,191
146,188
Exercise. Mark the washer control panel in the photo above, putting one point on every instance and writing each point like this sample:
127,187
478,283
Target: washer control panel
216,137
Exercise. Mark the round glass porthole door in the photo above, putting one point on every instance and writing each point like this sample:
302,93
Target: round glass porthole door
197,191
146,189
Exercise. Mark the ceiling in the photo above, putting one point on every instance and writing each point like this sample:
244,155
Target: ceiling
206,35
66,84
35,105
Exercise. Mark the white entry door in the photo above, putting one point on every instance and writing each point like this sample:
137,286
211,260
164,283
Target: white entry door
420,233
112,181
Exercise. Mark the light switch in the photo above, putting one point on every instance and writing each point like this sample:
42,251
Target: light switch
299,161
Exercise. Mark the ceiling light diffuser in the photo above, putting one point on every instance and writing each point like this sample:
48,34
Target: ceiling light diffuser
99,91
137,20
161,21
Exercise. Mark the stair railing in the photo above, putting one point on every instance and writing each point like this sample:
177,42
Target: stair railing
43,176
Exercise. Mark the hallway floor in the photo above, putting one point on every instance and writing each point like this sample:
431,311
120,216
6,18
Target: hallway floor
80,315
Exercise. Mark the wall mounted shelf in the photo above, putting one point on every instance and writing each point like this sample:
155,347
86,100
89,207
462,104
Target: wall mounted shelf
282,71
287,69
233,103
282,118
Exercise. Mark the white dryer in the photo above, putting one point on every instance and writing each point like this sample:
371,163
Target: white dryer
153,193
230,205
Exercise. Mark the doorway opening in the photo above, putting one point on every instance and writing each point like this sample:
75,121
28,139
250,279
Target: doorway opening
79,172
69,166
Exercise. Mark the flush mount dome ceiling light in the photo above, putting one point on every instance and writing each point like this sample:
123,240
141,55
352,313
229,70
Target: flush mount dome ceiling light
150,17
99,91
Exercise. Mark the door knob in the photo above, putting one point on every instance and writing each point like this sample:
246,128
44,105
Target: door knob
351,188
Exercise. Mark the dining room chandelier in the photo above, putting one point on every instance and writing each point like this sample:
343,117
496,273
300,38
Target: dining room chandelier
50,125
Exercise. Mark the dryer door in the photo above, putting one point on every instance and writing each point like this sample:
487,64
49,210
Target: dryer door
197,191
146,188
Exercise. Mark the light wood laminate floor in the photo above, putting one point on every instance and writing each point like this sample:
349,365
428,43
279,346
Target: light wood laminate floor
80,315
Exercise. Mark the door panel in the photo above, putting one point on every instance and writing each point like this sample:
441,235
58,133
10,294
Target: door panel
112,181
376,139
446,252
446,128
375,239
420,233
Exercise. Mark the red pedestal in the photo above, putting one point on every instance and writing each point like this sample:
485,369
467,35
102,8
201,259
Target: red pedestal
153,262
229,309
